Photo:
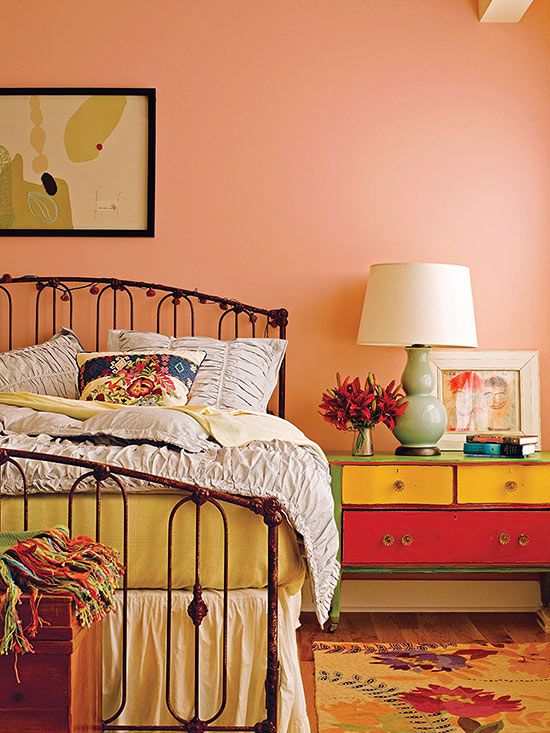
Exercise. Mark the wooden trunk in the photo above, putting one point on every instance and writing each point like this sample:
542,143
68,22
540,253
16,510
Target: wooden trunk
60,684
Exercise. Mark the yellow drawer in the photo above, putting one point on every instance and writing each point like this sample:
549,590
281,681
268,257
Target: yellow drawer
504,484
397,485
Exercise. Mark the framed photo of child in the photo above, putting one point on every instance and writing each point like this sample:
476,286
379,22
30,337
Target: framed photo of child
487,392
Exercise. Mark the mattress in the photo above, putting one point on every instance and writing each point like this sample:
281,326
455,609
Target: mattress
148,515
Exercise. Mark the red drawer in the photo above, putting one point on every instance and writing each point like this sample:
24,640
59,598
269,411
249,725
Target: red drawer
443,537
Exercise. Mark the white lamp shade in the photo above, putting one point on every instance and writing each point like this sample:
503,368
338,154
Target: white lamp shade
418,303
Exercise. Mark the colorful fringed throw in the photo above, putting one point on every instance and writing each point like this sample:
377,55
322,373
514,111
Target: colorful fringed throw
51,562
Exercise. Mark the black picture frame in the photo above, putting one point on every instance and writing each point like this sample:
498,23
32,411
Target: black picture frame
150,94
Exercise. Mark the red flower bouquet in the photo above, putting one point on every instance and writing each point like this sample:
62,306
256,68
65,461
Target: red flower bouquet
351,406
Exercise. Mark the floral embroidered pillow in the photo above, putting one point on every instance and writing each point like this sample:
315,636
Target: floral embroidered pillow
139,377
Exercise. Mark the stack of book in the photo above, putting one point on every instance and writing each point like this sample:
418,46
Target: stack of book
500,446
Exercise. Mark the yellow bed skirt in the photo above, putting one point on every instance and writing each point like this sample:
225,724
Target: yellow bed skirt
147,539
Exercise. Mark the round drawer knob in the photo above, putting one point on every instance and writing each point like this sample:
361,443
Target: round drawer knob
398,485
511,485
523,540
406,540
17,696
387,540
504,538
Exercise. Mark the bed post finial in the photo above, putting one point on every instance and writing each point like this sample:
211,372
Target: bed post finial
272,511
278,318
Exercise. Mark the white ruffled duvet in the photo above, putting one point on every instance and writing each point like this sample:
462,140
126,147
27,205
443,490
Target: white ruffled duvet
253,455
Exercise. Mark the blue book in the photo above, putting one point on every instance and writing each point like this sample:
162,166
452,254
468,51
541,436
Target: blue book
482,449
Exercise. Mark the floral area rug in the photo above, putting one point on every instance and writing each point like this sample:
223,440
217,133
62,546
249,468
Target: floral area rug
425,688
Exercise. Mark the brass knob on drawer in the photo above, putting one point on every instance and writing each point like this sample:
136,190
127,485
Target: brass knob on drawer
398,485
387,540
504,538
406,540
511,485
523,540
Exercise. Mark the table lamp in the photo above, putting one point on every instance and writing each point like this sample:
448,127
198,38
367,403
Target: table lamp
418,305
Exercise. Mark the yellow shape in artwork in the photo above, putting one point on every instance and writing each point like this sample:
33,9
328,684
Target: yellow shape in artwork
90,126
33,208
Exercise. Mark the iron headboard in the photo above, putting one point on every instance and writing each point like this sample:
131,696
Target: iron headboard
71,301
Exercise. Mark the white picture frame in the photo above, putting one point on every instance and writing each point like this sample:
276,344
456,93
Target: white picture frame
487,391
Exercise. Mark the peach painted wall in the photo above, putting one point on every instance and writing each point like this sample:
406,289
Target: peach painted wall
299,141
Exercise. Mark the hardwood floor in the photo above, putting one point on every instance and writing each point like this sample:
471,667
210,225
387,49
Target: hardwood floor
416,627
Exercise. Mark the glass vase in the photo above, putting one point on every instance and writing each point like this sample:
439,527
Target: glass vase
362,442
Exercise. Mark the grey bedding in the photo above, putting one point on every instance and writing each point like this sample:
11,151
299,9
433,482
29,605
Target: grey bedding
169,443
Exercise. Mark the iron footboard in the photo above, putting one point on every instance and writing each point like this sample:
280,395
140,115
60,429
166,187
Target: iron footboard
98,475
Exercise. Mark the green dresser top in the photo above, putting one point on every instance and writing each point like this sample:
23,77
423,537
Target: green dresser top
446,457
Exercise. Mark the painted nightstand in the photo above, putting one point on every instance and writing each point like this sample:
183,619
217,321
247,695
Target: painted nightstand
442,514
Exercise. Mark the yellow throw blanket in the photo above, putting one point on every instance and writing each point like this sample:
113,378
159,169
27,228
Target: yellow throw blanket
230,428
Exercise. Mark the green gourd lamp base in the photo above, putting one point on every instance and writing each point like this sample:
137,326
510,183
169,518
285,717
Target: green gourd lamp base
425,418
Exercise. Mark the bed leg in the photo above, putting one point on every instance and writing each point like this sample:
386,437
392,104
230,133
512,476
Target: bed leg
273,518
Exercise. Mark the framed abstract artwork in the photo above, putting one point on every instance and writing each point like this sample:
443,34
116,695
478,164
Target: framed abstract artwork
77,162
487,392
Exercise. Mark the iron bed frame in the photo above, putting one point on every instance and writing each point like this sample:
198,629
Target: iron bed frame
64,293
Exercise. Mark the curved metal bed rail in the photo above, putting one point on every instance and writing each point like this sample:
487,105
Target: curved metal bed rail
270,509
63,293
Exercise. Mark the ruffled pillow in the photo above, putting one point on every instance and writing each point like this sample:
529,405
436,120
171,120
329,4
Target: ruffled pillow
49,368
236,375
138,378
